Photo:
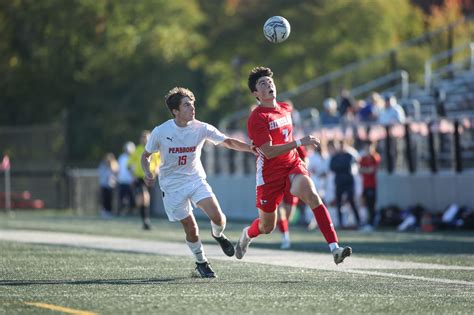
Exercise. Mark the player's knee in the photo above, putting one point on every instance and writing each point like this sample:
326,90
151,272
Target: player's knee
220,219
312,199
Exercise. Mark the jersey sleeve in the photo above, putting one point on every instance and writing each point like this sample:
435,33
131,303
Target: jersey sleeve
214,135
257,128
153,144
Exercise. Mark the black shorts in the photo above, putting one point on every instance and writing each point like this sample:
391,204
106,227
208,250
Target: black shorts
139,186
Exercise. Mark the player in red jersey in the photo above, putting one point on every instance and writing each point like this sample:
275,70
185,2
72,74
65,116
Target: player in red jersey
278,166
369,164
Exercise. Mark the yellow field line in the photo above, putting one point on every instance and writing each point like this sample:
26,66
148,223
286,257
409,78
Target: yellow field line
61,309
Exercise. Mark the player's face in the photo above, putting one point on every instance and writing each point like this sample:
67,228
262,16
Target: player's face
186,111
265,89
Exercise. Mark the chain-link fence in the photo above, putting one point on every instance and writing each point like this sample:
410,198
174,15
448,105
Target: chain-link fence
37,157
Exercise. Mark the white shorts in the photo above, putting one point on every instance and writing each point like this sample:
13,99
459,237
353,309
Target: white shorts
178,203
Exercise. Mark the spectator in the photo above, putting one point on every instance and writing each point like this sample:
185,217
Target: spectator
370,111
107,171
346,103
125,180
369,164
342,164
393,113
330,116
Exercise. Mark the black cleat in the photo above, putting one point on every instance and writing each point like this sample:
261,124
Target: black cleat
205,271
225,244
341,253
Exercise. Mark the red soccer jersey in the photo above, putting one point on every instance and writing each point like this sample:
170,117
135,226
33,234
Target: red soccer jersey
275,125
369,179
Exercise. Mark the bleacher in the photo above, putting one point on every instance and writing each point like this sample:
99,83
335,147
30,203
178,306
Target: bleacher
455,94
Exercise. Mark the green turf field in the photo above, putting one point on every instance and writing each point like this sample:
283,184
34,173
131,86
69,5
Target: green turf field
111,282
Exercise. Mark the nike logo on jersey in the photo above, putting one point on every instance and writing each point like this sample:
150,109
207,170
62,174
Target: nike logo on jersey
170,139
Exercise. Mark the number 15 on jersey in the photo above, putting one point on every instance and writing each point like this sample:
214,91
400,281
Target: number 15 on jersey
182,160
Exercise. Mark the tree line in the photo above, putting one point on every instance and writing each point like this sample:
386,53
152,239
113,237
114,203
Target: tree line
106,65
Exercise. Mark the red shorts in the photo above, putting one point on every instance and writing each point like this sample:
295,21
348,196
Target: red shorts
270,195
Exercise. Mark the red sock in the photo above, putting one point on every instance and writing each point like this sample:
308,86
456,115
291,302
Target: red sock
282,225
253,230
325,225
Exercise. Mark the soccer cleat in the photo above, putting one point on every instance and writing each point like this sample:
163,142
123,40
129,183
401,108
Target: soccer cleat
225,244
242,244
205,271
341,253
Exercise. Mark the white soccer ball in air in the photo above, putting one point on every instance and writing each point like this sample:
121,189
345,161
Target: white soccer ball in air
276,29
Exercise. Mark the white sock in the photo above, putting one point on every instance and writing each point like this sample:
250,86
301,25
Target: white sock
333,246
217,229
198,251
285,236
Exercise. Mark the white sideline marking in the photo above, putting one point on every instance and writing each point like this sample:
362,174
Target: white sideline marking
366,266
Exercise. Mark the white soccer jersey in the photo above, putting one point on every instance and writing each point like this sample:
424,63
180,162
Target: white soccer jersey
180,150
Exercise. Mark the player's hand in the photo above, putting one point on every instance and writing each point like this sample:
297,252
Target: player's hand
149,179
310,140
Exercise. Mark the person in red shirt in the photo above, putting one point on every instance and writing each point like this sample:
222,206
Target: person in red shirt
269,126
368,165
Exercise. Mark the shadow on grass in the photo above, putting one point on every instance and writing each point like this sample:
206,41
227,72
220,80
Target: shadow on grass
92,281
423,247
151,281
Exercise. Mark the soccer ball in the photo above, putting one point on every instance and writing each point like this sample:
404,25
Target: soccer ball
276,29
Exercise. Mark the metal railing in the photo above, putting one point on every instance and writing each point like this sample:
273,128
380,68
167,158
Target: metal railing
401,75
429,74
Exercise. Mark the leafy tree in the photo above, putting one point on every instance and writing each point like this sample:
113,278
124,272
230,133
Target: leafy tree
108,64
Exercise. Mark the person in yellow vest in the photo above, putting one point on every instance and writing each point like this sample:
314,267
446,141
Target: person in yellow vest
142,192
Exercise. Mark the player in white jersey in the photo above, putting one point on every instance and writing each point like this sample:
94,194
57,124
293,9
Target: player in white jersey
182,178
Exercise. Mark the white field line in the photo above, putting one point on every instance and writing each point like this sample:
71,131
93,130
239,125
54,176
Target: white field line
367,266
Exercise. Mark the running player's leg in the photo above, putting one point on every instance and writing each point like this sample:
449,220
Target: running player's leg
178,208
285,210
264,224
303,187
211,207
195,245
269,196
282,224
191,231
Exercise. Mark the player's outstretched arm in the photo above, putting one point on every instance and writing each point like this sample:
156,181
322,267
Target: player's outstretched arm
238,145
270,151
145,162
